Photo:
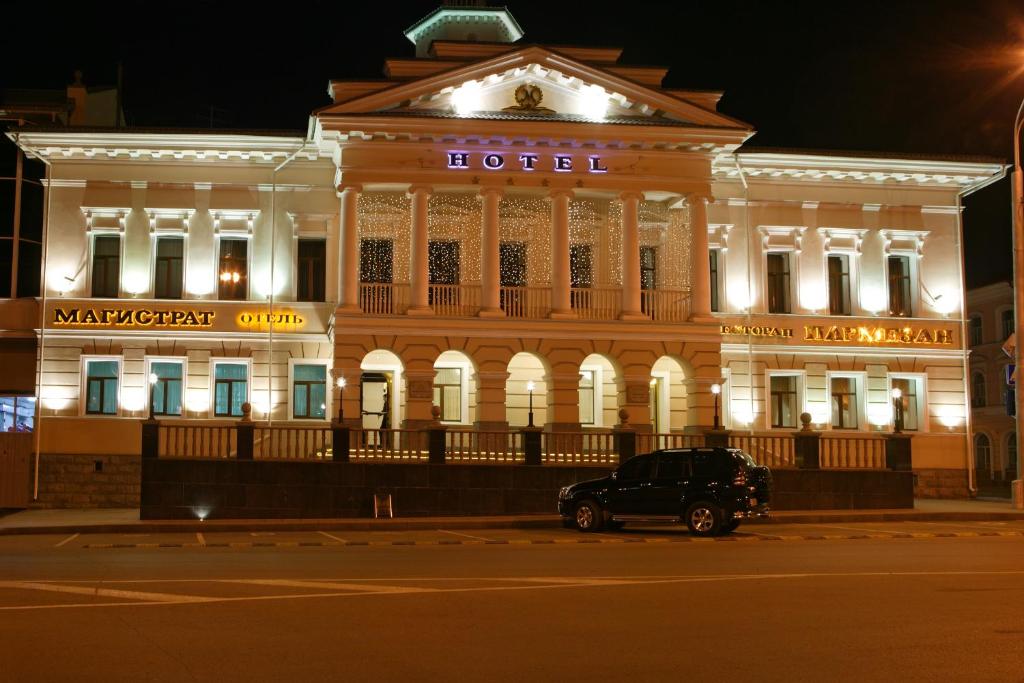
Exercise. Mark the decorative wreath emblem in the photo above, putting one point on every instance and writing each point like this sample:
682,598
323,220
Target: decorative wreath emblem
528,98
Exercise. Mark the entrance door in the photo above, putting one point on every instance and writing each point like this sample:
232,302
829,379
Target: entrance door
376,401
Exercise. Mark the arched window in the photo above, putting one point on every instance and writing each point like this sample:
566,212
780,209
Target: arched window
982,453
974,330
978,390
1011,455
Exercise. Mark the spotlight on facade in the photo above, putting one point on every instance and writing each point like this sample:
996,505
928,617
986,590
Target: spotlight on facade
594,102
466,98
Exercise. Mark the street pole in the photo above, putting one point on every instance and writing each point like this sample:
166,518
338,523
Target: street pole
1018,299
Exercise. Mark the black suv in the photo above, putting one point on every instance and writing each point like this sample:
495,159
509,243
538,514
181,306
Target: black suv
711,489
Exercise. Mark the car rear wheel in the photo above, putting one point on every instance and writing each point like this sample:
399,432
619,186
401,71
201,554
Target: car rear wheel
588,516
704,519
730,526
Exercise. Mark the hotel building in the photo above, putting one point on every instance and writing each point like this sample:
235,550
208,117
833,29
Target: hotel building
493,216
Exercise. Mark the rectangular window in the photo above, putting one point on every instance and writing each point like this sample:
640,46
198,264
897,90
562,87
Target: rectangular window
648,267
106,266
448,393
311,270
17,413
376,258
169,271
844,403
309,391
839,284
974,330
230,388
899,286
101,387
587,408
1006,318
713,256
234,269
783,400
778,283
909,392
581,266
167,392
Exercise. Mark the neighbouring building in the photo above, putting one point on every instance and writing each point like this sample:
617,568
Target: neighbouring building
989,325
505,231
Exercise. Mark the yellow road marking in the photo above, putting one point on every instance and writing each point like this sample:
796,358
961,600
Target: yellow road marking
104,592
322,585
67,540
331,536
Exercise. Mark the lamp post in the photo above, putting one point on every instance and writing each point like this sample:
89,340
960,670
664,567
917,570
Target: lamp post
716,389
1018,296
897,410
153,378
530,386
341,400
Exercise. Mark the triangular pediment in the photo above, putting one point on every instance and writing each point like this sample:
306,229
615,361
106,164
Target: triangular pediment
532,83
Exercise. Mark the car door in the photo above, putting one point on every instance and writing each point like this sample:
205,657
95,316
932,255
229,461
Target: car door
706,472
671,478
632,485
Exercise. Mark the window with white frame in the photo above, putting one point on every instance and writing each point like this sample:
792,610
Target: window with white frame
230,387
900,287
106,266
839,284
911,389
169,267
588,397
100,385
845,401
309,391
448,393
784,399
167,393
714,257
778,287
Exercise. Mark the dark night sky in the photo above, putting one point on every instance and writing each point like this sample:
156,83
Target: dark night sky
933,76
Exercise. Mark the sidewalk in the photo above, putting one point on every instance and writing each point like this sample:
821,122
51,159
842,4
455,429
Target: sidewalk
119,520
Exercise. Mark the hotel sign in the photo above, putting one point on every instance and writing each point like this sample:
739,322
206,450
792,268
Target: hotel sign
527,161
170,317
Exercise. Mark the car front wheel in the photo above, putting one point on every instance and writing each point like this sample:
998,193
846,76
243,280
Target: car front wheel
704,519
588,516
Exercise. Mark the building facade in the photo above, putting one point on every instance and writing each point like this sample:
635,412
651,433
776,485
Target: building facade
989,325
510,233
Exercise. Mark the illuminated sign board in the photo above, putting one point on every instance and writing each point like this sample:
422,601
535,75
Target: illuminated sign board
131,317
528,161
758,330
284,321
877,335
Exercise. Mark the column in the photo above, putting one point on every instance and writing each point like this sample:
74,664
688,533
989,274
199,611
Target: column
560,277
419,253
490,255
490,400
348,299
700,268
631,309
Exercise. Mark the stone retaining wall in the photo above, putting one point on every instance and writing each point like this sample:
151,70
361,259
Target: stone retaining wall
940,483
93,481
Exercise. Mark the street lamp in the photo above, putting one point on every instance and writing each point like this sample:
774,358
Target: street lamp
1018,295
716,389
341,400
897,410
153,379
530,386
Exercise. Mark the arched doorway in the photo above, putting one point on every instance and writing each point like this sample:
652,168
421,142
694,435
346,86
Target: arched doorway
599,392
381,390
526,370
668,396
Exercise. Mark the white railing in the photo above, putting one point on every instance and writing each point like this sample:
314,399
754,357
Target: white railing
383,298
852,452
288,442
455,300
388,444
646,443
579,448
197,441
666,305
465,446
773,450
526,302
593,303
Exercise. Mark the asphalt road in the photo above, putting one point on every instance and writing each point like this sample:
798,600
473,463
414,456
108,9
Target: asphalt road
910,601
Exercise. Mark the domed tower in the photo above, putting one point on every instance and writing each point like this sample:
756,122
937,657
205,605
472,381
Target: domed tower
470,20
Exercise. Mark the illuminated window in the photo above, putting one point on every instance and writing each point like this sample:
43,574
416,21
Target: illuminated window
783,390
101,387
230,388
899,286
443,269
17,413
512,259
839,284
974,334
648,267
375,260
233,274
845,403
581,266
778,283
167,392
106,266
448,393
309,391
910,391
169,270
311,270
588,409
